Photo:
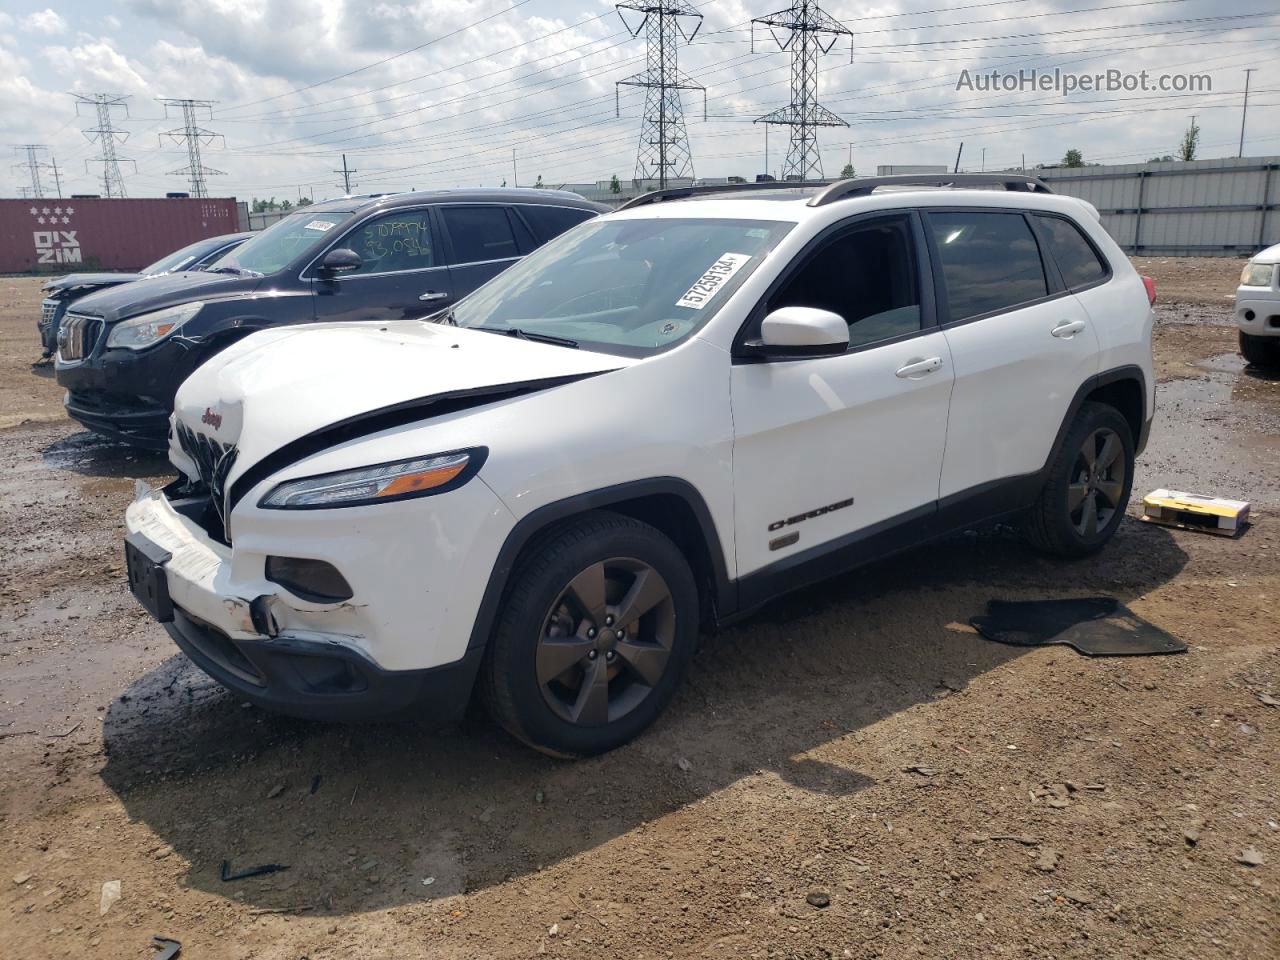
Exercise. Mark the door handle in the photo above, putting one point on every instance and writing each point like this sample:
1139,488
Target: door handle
434,295
918,368
1067,329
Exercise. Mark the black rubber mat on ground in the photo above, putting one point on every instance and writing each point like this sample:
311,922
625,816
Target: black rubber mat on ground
1096,626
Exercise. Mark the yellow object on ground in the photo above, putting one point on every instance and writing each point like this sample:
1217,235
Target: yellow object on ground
1192,511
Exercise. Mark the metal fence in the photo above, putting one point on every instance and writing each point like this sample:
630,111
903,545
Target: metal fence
1214,208
1206,208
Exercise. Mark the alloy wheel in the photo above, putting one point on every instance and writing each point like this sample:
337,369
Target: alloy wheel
606,641
1097,482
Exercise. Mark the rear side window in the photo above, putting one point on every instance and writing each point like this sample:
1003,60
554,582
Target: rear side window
990,262
1075,256
480,233
549,222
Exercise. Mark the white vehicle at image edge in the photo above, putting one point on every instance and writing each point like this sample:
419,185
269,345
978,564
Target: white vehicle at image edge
1258,309
650,426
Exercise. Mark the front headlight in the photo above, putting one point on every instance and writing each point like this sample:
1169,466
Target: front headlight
142,331
419,477
1257,274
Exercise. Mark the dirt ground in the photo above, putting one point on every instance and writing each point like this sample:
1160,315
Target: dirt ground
851,773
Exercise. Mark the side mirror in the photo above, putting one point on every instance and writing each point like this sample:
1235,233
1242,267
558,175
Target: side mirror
340,260
799,332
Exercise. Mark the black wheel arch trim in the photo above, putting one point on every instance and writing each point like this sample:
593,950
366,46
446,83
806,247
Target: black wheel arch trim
1115,375
724,590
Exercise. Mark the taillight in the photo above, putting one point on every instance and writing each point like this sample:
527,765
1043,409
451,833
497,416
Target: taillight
1151,288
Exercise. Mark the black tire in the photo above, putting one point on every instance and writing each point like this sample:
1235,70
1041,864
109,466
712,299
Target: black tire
1262,352
1058,524
541,617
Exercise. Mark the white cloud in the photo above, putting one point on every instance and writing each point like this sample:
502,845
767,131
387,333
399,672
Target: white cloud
96,65
45,21
113,23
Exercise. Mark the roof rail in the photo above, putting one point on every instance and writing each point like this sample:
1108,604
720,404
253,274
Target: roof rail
679,193
864,186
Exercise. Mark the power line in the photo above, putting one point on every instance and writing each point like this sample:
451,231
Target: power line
378,63
193,135
107,135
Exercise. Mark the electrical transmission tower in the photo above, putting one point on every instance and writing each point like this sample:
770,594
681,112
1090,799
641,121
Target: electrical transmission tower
33,165
809,32
193,135
107,135
664,145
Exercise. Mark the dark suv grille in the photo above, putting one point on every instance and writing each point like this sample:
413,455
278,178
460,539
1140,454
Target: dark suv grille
77,336
213,462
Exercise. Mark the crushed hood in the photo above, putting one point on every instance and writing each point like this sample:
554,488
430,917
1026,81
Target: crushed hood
277,387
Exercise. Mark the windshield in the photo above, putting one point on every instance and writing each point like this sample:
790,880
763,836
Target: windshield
184,258
623,286
280,244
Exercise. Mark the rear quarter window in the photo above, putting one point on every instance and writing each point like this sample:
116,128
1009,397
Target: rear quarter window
549,222
990,262
1080,263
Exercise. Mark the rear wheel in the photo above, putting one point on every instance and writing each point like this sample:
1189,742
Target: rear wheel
1088,485
1261,351
593,637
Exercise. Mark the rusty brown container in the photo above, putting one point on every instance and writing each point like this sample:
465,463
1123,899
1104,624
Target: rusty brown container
62,236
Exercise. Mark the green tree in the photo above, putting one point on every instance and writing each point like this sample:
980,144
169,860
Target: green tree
286,205
848,171
1190,141
1165,159
615,186
1073,158
538,183
305,201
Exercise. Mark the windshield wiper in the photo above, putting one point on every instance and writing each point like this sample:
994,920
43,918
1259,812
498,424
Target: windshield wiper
235,270
520,334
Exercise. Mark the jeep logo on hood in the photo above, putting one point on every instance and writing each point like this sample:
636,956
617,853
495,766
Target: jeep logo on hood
212,419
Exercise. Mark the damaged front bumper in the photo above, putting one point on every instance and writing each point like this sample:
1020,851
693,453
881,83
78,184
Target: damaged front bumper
266,645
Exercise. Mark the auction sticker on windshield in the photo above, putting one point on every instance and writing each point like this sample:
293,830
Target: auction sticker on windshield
709,284
321,225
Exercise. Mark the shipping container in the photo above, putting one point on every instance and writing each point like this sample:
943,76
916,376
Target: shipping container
61,236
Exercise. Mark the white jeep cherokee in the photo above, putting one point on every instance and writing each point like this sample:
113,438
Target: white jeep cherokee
1258,308
653,424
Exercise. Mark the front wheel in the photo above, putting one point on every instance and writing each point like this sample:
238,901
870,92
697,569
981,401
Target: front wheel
593,637
1262,352
1087,487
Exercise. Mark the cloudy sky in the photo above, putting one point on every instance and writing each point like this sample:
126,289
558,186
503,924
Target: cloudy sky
438,92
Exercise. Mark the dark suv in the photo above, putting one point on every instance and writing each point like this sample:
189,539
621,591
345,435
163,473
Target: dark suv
61,292
123,352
